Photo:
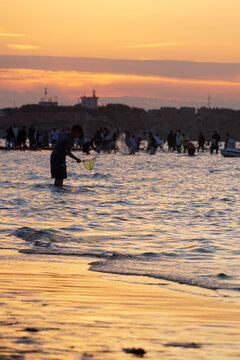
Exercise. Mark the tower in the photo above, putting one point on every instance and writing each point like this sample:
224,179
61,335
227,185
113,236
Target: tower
90,102
48,102
208,100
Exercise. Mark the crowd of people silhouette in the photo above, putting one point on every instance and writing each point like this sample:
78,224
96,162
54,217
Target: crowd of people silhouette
104,141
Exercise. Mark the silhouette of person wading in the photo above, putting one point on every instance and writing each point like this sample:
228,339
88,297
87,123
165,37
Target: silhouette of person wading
62,149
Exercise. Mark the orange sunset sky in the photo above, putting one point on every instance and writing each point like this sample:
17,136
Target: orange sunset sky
147,53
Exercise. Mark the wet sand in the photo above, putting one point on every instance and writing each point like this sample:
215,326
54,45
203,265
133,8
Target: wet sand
55,308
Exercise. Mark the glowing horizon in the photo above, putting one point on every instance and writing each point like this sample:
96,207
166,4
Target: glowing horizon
69,86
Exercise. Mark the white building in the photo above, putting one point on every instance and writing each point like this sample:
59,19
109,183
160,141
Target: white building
90,102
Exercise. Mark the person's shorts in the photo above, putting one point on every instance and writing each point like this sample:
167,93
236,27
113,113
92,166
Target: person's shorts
58,167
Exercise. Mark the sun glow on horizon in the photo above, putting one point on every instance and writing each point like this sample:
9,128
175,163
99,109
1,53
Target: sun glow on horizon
72,84
74,78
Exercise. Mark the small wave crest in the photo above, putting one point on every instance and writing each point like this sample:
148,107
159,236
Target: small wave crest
36,236
138,266
50,242
169,266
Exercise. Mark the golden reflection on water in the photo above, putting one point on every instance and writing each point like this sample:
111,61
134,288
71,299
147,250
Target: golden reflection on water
158,207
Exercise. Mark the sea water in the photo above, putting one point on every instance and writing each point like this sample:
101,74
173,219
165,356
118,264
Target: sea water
167,216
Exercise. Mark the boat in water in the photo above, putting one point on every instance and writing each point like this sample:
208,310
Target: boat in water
228,152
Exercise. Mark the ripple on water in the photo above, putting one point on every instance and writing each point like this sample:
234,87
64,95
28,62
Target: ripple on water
167,211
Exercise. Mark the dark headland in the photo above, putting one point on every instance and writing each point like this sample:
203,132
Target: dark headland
122,117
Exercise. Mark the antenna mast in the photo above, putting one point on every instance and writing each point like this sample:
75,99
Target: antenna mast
45,94
209,100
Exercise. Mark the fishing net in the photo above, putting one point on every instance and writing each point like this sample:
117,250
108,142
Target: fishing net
88,163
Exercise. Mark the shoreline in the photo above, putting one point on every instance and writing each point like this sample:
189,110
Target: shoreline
56,308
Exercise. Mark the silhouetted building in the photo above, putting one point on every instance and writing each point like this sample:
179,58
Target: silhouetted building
48,101
90,102
169,111
189,112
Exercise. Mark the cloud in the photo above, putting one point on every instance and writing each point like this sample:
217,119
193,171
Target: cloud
154,45
169,82
78,78
23,46
205,71
10,35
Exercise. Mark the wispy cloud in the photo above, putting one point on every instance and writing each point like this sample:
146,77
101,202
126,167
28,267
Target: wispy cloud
23,46
77,79
3,34
27,83
154,45
229,72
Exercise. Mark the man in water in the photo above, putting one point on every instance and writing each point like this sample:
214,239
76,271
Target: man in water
61,149
179,139
215,142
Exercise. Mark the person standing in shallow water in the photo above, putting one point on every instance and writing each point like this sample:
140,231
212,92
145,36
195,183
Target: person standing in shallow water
215,142
171,140
62,149
201,141
179,139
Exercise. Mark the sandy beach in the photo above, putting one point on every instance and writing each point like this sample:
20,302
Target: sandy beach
53,309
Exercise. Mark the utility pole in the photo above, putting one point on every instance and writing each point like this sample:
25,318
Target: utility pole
208,100
45,94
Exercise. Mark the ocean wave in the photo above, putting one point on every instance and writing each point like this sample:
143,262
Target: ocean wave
215,282
32,235
167,266
59,252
